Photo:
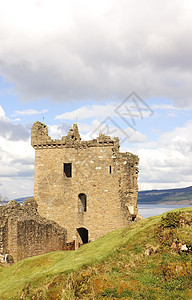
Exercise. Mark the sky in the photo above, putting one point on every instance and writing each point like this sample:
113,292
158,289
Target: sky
120,67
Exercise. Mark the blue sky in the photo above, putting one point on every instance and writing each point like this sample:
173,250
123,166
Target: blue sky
96,63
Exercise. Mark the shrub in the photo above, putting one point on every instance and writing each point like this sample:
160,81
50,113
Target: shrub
171,220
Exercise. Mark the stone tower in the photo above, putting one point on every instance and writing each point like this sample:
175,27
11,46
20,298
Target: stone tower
88,187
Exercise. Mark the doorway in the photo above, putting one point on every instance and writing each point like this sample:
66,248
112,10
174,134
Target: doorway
83,233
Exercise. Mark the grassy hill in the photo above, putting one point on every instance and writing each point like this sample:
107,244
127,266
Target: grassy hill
142,261
169,196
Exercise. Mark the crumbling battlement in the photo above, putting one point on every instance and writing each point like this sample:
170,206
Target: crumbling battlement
89,187
24,233
41,139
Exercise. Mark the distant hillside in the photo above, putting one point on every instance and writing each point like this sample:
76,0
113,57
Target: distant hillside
21,200
171,196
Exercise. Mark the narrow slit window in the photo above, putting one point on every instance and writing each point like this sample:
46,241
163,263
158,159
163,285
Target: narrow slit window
110,170
67,169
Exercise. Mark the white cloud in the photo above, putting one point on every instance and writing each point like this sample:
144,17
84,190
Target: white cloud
136,109
16,159
136,136
16,187
2,113
17,168
16,120
12,131
168,107
172,115
89,111
29,112
58,131
167,162
101,49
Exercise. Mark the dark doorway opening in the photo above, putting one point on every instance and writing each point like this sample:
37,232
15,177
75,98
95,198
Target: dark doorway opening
83,232
83,202
133,217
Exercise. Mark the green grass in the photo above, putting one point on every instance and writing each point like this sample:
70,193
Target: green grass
114,266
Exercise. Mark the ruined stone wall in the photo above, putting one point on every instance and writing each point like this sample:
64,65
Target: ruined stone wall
25,233
128,188
107,177
3,235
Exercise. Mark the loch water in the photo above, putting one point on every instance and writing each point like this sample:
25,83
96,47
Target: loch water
149,210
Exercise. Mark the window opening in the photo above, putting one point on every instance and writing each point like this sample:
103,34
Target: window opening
68,169
110,170
83,202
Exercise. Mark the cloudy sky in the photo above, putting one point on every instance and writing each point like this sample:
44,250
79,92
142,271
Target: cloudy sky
122,67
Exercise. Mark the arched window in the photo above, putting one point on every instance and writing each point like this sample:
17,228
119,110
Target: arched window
83,202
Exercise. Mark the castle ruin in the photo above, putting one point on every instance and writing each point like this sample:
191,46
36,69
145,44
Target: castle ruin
88,187
24,233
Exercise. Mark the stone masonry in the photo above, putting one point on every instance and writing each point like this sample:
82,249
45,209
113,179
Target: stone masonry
88,187
24,233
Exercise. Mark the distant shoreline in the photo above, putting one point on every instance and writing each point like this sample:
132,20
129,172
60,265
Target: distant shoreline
184,202
178,196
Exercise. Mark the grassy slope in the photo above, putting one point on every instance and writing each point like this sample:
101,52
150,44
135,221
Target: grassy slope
112,262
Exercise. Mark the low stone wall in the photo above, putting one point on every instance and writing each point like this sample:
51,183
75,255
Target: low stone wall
24,233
